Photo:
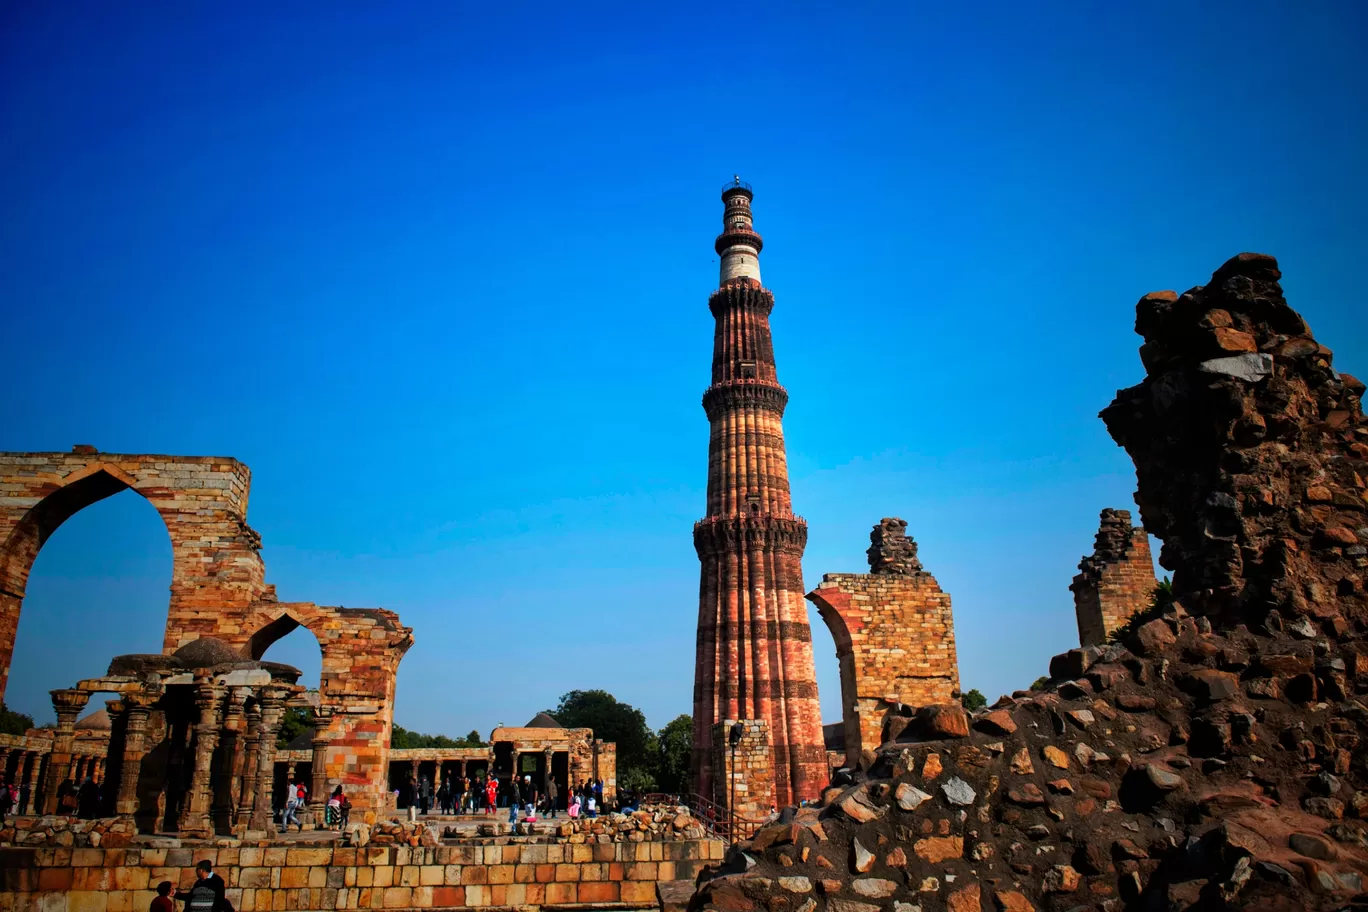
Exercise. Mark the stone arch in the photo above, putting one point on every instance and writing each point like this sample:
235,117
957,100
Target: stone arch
275,630
845,659
31,529
216,570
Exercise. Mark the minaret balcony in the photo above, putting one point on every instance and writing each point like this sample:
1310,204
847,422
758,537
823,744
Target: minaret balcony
737,237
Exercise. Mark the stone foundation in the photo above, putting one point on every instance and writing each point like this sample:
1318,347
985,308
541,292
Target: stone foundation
374,877
745,776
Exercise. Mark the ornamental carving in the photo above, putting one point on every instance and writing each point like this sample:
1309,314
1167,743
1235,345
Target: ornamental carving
734,394
731,534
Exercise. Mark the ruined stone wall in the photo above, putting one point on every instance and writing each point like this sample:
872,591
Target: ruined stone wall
1116,580
746,777
375,877
1250,450
895,637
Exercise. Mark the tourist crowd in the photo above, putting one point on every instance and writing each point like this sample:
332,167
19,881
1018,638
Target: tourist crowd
481,794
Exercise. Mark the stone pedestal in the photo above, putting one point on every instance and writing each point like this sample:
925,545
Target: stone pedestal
741,754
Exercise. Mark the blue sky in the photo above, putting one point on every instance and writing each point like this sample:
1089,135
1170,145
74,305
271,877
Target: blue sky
439,275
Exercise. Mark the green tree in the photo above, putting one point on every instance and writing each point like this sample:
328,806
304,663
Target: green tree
13,723
621,723
473,739
675,755
1041,683
1162,598
973,700
297,719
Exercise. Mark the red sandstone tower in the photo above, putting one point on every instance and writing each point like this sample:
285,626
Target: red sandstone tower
754,645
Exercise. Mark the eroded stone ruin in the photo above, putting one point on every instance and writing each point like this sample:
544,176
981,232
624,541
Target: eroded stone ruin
1116,581
1211,757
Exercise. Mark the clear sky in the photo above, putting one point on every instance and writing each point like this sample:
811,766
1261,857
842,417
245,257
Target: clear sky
439,273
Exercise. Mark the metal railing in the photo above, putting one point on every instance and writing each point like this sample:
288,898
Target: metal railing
736,183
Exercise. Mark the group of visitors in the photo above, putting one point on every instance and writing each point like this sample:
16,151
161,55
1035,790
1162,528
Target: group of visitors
487,794
336,812
85,801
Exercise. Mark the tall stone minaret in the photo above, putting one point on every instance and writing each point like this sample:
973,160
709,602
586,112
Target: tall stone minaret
754,645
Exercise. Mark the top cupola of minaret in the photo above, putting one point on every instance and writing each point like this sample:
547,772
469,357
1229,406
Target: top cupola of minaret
738,245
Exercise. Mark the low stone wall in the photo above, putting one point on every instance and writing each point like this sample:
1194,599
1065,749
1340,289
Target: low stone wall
375,877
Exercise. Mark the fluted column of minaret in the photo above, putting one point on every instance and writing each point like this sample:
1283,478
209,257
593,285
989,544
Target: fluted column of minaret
754,645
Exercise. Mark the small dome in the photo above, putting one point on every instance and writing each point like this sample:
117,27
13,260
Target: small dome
543,720
280,671
207,652
139,664
96,721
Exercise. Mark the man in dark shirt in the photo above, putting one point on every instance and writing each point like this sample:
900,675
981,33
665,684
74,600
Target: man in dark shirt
207,893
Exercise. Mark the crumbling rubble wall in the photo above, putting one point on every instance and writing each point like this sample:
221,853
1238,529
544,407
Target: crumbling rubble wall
1250,450
1213,757
1116,581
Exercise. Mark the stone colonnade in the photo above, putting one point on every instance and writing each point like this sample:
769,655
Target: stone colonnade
215,774
24,761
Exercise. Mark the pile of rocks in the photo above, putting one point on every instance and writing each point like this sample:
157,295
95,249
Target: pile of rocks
653,825
105,832
1184,766
391,832
1210,757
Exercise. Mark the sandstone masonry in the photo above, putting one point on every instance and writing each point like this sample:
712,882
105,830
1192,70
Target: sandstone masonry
1116,580
894,633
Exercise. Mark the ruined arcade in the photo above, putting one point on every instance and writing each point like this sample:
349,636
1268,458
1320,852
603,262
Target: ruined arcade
219,595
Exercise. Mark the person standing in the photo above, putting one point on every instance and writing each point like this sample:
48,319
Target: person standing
206,894
491,792
413,799
427,795
551,795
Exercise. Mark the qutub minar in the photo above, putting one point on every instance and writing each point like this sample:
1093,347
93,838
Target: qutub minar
754,645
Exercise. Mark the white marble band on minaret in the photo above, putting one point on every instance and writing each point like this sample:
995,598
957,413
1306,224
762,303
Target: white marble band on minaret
738,245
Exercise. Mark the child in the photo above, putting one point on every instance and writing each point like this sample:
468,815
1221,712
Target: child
162,901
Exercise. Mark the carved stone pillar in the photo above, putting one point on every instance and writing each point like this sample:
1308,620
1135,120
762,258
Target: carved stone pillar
546,773
118,733
68,704
135,708
227,788
251,747
28,780
319,786
272,710
194,818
